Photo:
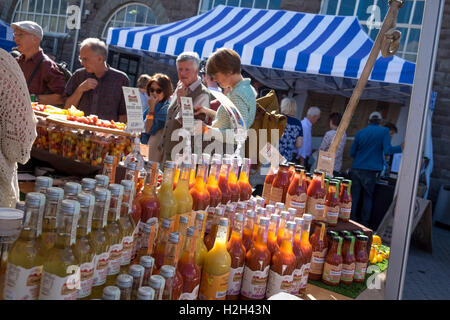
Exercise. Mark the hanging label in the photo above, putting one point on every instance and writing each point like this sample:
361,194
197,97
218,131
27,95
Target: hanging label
190,295
60,288
90,213
133,104
21,283
115,259
234,281
332,273
213,287
87,278
187,111
101,268
254,283
278,283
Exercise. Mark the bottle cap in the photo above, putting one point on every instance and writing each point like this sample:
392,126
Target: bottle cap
169,164
109,159
318,172
362,237
102,180
292,211
284,214
184,219
279,205
263,221
337,239
72,188
300,167
298,221
147,261
145,293
33,199
116,189
251,203
356,232
333,183
346,181
54,194
239,217
275,217
261,211
211,210
291,225
270,208
136,270
308,217
132,165
166,223
174,237
242,205
101,194
124,280
219,211
260,201
69,207
332,233
250,214
167,271
291,164
345,233
223,222
43,182
157,281
111,293
128,185
88,183
199,216
190,232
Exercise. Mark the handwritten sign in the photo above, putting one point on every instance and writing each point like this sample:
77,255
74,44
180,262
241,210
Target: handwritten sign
134,109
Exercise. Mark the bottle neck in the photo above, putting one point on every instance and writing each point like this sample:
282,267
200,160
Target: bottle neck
233,174
221,236
66,230
99,218
189,248
49,222
183,182
114,209
298,233
306,231
167,183
30,227
261,236
200,179
213,175
249,223
150,180
245,172
85,222
225,171
170,256
127,203
236,232
198,229
164,237
286,244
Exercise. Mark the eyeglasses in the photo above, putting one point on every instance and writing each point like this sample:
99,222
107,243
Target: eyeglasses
158,91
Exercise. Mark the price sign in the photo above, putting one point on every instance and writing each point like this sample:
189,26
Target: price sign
187,111
133,102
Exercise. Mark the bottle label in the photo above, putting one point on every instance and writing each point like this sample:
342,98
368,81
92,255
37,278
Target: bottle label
190,295
306,270
297,202
316,207
348,271
21,283
101,268
332,273
360,270
234,281
332,214
213,287
276,194
127,250
298,275
59,288
278,283
317,261
254,283
345,211
115,259
266,191
87,278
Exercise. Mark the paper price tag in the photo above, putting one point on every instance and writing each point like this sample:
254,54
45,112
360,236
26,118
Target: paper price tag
134,109
187,111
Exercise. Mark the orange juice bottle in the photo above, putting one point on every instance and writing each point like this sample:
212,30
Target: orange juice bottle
161,245
178,163
233,181
199,192
166,195
206,159
272,243
282,227
306,249
260,212
245,188
213,183
194,159
217,266
188,268
181,193
237,252
223,180
298,272
211,237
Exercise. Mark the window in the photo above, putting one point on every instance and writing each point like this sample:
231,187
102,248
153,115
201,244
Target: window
371,14
206,5
127,63
49,14
130,15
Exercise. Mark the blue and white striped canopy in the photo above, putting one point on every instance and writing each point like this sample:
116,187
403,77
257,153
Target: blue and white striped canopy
292,41
6,36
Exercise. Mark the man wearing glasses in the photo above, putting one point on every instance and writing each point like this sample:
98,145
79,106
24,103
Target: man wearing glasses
97,88
45,81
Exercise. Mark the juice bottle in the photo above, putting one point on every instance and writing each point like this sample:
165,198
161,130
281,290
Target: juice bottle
171,259
157,283
223,180
296,196
257,265
161,244
280,185
233,180
71,190
284,215
126,224
206,159
332,204
109,167
279,206
61,274
23,269
306,248
84,248
237,252
345,201
249,225
319,245
199,192
282,265
168,202
168,273
102,181
315,204
189,269
229,214
361,259
100,240
182,230
88,185
245,188
178,163
213,183
260,212
137,272
184,198
330,235
132,173
200,247
192,175
114,233
291,171
216,269
270,209
149,202
209,219
272,242
267,188
332,269
42,184
348,260
299,267
210,238
125,284
148,263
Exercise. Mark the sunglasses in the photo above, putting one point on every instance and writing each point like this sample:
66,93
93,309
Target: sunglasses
158,91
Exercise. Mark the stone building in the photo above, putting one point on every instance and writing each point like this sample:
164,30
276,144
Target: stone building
97,16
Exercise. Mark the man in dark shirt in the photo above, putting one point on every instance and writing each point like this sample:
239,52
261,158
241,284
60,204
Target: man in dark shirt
44,79
97,88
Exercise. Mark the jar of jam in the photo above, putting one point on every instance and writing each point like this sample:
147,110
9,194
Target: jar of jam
361,258
280,185
345,201
315,204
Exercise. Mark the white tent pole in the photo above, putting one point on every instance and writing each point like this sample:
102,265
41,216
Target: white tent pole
412,153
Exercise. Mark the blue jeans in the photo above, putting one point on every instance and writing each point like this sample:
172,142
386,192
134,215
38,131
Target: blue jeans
363,182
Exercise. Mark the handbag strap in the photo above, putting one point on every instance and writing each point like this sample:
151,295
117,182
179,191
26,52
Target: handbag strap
34,72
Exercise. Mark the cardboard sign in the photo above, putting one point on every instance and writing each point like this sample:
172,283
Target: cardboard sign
133,102
187,111
325,162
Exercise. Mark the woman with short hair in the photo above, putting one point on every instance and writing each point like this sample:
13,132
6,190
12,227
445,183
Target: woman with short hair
292,137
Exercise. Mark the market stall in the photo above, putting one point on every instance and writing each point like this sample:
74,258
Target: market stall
6,36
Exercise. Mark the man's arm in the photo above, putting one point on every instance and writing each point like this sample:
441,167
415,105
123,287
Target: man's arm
53,99
387,147
74,99
56,83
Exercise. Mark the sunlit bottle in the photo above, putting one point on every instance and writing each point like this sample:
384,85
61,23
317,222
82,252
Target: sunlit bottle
200,247
213,183
126,224
188,268
170,259
61,270
135,155
237,252
199,191
178,163
223,180
181,193
306,248
245,188
211,237
249,225
71,190
166,196
272,242
233,180
192,175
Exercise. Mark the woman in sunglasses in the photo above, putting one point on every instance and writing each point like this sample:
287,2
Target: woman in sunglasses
159,90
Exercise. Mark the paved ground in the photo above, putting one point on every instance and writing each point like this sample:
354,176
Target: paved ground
427,275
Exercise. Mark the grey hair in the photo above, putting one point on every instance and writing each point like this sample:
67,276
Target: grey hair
96,45
189,56
288,106
313,112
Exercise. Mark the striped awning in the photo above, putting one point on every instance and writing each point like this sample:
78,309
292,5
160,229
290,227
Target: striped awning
286,40
6,36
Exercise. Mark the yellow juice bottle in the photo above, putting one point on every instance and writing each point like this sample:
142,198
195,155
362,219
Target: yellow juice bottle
200,248
176,176
216,268
168,209
184,198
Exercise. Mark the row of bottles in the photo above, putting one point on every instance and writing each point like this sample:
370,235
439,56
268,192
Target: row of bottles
326,199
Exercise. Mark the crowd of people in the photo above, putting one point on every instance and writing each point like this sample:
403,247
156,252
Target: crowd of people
96,88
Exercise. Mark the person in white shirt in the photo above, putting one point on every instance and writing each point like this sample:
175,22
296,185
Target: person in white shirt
335,119
303,153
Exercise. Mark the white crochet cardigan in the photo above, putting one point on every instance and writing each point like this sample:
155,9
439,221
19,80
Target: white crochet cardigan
17,127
